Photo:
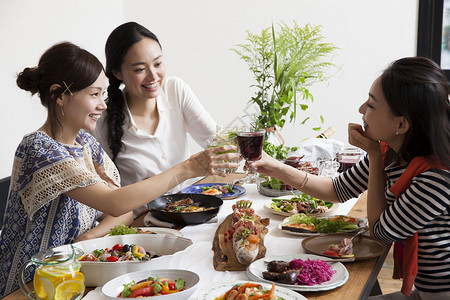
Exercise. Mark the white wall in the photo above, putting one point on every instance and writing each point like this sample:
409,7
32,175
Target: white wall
196,36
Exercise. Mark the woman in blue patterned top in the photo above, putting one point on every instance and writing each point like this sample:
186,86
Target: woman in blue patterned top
62,178
406,134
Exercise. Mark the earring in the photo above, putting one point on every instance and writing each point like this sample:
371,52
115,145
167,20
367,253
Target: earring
62,112
395,133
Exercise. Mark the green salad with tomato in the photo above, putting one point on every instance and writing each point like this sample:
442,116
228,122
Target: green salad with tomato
301,204
322,225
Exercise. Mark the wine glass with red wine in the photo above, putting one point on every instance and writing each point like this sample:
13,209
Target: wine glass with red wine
250,142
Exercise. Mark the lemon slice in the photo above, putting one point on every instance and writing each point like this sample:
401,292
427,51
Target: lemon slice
44,288
51,271
226,134
70,289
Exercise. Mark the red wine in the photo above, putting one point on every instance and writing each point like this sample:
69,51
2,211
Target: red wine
250,145
345,165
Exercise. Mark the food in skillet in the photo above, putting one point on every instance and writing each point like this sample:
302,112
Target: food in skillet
152,287
299,272
249,290
301,204
185,205
309,224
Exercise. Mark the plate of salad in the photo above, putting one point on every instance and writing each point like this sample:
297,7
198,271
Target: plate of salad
304,225
303,203
220,190
172,284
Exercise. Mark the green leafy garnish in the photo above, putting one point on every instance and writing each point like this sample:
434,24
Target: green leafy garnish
180,283
157,286
123,229
98,252
126,290
322,225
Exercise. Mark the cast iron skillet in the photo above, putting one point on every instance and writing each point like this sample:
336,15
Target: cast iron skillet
157,209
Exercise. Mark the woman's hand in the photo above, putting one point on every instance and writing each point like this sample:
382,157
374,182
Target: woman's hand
357,138
210,160
267,165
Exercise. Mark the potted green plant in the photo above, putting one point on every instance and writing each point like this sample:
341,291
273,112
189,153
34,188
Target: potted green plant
285,62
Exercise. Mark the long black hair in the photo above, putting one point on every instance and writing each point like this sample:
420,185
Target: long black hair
117,46
416,88
64,64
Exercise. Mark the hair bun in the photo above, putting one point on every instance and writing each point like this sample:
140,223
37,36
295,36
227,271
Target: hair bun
28,80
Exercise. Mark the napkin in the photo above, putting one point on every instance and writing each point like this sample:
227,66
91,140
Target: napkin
95,295
150,220
316,148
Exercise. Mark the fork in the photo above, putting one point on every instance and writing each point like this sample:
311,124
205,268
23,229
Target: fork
361,231
233,182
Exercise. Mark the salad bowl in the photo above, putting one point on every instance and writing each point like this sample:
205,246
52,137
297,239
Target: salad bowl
97,273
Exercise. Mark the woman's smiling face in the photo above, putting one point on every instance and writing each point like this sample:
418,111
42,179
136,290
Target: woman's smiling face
143,70
83,109
379,122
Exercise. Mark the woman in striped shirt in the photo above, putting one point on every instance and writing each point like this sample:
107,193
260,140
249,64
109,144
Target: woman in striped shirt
406,134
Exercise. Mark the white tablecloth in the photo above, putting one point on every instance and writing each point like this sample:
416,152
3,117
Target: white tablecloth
199,256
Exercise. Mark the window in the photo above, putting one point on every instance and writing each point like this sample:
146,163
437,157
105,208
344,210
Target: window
433,35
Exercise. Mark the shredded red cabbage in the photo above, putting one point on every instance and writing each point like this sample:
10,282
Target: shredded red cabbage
312,271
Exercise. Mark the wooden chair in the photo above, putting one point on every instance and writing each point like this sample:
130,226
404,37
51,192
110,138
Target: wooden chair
4,190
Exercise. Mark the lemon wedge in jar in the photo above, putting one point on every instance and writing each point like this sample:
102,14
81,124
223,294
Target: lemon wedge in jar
70,289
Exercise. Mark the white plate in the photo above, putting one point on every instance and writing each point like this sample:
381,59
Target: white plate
160,230
217,289
115,286
255,269
287,214
363,223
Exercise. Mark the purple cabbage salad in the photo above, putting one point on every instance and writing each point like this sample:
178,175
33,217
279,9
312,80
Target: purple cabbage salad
312,272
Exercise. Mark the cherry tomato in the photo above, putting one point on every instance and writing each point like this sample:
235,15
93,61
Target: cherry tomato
330,253
117,247
112,258
172,286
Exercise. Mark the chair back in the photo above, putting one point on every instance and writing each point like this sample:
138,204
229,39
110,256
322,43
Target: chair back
4,190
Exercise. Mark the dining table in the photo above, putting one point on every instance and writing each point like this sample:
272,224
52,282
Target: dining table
362,275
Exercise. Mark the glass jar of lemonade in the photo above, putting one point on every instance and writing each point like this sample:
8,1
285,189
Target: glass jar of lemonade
57,274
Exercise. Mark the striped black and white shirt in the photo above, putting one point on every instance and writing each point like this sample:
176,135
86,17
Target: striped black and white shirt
422,208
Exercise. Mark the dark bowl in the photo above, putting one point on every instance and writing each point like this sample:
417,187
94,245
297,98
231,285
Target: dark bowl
157,209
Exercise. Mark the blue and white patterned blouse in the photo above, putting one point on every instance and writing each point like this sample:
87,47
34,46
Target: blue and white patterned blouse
38,215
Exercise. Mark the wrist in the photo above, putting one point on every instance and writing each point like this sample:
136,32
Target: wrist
184,170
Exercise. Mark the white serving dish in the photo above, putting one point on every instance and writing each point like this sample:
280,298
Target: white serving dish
115,286
98,273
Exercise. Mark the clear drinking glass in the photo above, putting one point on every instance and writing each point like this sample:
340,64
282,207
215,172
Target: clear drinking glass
330,168
250,142
217,142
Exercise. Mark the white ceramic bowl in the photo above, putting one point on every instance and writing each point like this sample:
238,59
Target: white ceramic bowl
98,273
115,286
